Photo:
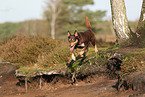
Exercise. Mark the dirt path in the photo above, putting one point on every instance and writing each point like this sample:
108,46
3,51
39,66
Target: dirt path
93,90
92,86
99,87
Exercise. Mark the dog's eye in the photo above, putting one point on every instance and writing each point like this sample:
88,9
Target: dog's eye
72,39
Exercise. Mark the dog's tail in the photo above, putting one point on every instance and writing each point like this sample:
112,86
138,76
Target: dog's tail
88,23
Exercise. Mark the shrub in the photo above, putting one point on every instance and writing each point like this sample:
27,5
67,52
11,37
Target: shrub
24,50
59,54
133,63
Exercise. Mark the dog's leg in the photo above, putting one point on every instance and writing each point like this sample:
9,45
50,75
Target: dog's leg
93,42
73,56
87,49
96,50
73,77
81,53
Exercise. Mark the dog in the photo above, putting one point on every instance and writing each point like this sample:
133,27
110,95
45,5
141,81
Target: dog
81,40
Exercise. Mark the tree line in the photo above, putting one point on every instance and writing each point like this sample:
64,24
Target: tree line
69,14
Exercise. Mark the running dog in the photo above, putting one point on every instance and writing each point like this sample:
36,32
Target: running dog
81,40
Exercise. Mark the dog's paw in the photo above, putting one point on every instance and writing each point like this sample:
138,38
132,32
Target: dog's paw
96,50
81,53
73,57
82,56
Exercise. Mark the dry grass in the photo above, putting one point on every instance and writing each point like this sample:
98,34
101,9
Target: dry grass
28,50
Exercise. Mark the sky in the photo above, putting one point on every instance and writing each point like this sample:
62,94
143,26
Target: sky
21,10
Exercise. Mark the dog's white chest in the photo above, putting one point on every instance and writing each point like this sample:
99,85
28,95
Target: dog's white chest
82,45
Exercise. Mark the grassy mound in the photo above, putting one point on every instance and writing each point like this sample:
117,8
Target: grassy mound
29,50
35,54
134,60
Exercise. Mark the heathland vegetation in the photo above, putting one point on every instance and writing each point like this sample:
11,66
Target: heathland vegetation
29,43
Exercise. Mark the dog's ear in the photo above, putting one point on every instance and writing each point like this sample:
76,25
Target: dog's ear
76,33
69,34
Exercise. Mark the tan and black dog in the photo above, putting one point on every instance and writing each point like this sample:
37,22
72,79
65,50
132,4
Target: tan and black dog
81,40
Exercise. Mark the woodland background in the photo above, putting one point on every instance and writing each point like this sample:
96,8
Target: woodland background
70,15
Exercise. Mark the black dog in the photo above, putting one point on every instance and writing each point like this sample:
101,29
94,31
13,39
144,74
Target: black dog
81,40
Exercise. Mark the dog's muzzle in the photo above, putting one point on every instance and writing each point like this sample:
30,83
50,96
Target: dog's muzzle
72,45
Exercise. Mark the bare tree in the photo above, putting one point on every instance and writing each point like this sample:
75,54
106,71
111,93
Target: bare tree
141,26
123,32
120,22
51,13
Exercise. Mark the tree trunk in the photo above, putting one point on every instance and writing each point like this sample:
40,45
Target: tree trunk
53,29
51,14
53,22
120,22
141,27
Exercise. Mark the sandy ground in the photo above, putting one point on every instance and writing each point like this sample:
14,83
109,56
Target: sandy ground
94,86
